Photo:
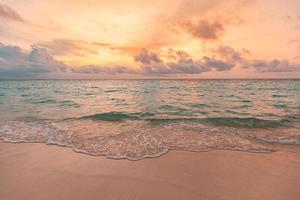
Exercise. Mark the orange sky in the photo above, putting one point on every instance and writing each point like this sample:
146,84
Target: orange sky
144,38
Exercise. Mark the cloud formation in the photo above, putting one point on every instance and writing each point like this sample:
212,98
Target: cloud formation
14,62
9,13
240,58
274,66
97,69
224,58
205,30
146,57
218,65
230,54
182,63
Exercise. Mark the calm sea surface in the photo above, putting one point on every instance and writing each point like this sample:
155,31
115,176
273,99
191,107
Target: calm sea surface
147,118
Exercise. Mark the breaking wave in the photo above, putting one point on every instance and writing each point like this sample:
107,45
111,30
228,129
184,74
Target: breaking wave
139,141
249,122
111,116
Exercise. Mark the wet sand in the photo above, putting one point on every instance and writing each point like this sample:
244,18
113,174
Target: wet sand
42,172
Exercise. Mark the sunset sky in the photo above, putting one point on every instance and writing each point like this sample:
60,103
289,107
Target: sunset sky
150,39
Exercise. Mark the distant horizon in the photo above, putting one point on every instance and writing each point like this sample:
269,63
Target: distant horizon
182,79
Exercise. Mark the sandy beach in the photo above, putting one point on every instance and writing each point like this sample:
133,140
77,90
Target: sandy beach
38,171
149,100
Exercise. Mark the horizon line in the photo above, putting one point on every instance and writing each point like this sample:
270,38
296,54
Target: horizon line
137,79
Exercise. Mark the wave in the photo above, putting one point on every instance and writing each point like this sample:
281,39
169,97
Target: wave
113,90
278,95
171,108
235,112
63,103
223,121
280,106
200,105
172,120
137,142
285,140
249,122
246,101
292,118
69,104
246,122
112,116
44,101
242,101
244,106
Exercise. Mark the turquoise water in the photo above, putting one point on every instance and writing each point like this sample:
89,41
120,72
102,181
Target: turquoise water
146,118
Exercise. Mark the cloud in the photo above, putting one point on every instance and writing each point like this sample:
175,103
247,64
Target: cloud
230,54
9,13
216,64
182,63
97,69
188,66
224,58
205,30
14,62
177,54
274,66
151,63
146,57
210,19
72,47
236,57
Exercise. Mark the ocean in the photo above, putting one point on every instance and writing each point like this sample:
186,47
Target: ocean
136,119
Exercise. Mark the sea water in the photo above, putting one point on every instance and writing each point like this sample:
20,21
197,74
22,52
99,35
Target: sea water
137,119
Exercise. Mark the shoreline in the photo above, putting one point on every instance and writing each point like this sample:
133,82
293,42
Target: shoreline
154,156
39,171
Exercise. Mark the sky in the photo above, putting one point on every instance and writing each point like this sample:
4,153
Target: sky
137,39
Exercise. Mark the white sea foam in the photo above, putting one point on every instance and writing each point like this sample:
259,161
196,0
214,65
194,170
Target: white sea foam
133,143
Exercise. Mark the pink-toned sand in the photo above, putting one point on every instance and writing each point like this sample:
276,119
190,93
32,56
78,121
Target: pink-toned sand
42,172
